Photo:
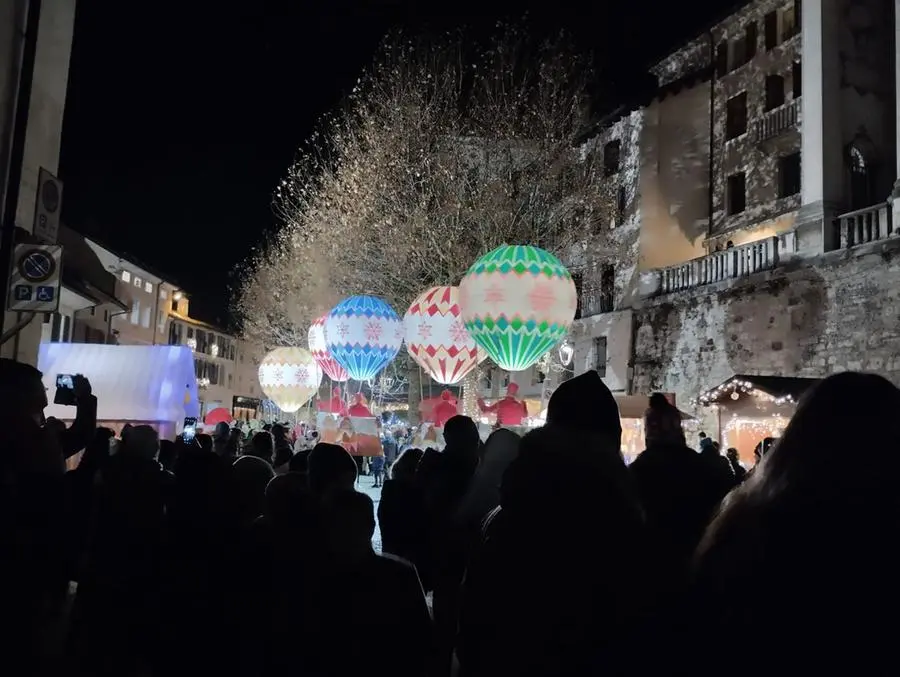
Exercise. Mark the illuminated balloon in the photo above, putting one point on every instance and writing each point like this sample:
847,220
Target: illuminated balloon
363,334
319,349
289,377
436,337
517,302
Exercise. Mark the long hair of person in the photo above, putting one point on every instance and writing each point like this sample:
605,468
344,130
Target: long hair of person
819,456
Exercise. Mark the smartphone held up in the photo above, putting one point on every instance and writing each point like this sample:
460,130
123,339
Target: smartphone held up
189,429
65,390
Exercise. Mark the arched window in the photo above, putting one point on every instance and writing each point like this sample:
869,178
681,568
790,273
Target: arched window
860,178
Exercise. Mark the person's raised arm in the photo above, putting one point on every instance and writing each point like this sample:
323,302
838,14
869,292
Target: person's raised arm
77,436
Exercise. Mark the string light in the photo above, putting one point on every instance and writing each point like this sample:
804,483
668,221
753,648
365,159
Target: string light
771,426
737,388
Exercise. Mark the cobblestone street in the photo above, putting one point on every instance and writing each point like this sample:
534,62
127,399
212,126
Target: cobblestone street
366,485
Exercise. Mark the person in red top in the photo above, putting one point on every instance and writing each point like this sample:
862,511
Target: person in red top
359,409
510,410
335,405
446,409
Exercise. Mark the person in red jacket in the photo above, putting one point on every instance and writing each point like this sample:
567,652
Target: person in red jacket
335,405
510,410
359,409
446,409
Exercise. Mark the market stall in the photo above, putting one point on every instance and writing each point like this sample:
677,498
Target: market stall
752,408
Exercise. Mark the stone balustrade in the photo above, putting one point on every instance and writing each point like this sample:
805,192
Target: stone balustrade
776,122
724,265
864,225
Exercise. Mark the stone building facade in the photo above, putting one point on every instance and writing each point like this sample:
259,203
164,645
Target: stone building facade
761,205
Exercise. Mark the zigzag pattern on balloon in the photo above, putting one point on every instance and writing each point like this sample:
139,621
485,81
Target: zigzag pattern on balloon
289,377
319,349
363,334
436,337
517,303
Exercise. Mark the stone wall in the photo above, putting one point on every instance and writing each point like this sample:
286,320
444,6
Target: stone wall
840,311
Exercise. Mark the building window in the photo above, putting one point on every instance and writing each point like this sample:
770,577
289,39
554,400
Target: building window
148,287
789,175
138,282
736,116
611,156
790,21
174,306
600,355
770,28
774,91
607,287
126,276
229,380
737,194
145,317
781,25
721,59
163,294
106,316
621,204
860,179
537,376
135,312
744,49
797,80
578,279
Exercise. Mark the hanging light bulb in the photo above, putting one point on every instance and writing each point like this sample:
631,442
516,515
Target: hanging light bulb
566,353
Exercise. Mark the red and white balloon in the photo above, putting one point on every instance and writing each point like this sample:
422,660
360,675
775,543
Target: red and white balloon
319,349
436,337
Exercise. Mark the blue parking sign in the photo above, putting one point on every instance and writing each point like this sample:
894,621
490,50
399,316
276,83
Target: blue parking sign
45,294
22,292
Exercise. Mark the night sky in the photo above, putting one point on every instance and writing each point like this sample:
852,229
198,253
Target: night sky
182,115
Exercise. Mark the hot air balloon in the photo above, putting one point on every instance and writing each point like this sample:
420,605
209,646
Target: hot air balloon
517,302
319,349
436,337
363,334
289,377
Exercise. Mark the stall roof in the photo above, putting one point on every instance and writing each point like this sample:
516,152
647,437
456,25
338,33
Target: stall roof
635,406
783,389
132,383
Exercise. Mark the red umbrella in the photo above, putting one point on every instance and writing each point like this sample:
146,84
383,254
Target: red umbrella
217,415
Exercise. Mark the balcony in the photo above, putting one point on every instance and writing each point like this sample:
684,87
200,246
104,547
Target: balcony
720,266
863,226
596,303
777,121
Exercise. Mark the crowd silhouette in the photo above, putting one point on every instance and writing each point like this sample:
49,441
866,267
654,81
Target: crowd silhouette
522,557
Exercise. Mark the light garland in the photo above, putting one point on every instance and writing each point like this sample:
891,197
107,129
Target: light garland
771,426
394,406
736,388
470,392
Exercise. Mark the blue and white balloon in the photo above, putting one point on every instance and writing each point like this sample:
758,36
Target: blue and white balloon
363,334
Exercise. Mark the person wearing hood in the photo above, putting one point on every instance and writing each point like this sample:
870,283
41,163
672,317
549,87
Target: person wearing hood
568,535
500,450
679,489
